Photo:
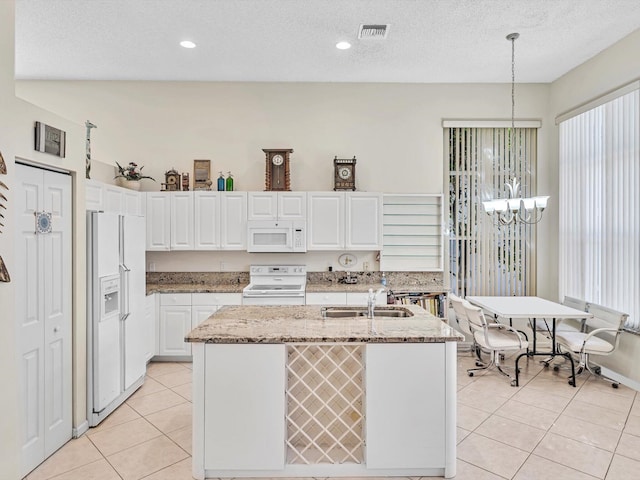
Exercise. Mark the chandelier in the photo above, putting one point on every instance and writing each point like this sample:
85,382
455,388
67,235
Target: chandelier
515,208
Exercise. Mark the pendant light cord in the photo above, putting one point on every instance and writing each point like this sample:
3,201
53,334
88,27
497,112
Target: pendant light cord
512,37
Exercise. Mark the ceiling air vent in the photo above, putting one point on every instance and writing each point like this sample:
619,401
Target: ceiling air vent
373,31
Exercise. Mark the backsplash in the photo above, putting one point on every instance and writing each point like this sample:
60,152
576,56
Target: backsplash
425,280
429,281
199,278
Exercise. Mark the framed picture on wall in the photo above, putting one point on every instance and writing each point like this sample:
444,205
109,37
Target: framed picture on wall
50,140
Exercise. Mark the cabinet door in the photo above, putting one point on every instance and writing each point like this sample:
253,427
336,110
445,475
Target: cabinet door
199,313
405,405
113,199
262,206
326,298
233,220
325,221
150,326
292,205
361,298
244,394
363,221
175,323
132,202
181,220
94,195
158,221
207,220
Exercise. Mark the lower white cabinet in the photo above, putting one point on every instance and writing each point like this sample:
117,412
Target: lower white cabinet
179,313
244,428
151,344
343,298
406,407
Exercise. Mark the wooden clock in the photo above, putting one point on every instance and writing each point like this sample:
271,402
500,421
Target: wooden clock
172,181
277,170
344,173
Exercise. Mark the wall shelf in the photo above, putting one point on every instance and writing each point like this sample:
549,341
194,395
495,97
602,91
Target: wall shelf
412,232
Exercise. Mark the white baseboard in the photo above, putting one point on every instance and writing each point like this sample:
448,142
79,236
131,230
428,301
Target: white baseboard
78,431
627,382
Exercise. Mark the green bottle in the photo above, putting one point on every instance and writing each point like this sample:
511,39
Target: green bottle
230,183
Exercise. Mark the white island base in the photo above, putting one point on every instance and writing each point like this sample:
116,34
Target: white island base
324,410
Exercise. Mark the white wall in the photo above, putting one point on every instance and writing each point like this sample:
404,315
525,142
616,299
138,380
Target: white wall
16,140
394,130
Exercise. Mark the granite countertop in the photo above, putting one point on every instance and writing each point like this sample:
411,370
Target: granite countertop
305,324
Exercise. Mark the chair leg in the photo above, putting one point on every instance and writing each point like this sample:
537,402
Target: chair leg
598,372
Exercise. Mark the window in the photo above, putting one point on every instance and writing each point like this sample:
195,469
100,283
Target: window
486,258
599,248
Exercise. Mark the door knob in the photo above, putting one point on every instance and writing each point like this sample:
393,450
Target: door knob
56,329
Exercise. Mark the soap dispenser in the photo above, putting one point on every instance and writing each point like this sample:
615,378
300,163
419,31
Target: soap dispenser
383,280
230,183
221,183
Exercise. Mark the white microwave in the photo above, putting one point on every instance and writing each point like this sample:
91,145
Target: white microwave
277,236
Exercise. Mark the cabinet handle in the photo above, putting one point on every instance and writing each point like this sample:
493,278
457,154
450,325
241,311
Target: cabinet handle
56,329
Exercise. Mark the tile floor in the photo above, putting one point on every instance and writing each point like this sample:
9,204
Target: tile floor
544,429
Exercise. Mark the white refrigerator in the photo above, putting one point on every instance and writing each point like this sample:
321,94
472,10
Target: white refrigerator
116,334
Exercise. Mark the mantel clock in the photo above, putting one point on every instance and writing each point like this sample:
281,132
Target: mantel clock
344,173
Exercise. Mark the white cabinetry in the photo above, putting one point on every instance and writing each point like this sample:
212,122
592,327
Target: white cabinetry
233,221
207,220
158,220
181,220
405,417
179,313
150,309
326,298
244,427
361,298
413,227
363,220
109,198
175,323
344,221
277,206
203,305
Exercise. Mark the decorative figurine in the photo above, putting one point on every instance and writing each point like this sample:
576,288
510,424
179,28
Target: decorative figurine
87,162
185,182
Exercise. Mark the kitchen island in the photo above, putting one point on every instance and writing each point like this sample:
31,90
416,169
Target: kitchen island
305,391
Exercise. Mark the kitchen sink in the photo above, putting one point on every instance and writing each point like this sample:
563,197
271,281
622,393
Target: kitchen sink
341,312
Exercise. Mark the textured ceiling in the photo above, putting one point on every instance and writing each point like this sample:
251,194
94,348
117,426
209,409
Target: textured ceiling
429,41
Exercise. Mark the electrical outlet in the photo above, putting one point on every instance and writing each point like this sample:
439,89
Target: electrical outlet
152,266
365,266
222,266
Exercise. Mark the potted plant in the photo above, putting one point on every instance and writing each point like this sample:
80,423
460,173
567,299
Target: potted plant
130,176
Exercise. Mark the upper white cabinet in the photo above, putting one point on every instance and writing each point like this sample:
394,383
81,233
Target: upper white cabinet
181,204
277,205
104,197
200,220
207,220
158,221
413,226
363,217
344,221
233,220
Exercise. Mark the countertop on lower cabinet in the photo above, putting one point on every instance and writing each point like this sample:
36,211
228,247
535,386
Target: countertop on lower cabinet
299,324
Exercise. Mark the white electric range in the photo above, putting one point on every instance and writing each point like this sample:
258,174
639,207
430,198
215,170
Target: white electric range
275,285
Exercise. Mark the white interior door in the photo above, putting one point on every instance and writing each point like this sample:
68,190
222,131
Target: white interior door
135,334
43,312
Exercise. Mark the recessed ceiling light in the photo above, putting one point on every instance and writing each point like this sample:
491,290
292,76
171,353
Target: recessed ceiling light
343,45
187,44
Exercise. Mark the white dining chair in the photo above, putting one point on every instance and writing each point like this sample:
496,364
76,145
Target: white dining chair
457,304
495,338
600,337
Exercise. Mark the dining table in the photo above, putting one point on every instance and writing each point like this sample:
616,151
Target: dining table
531,308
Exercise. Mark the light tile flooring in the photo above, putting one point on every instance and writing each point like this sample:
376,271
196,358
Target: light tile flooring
544,429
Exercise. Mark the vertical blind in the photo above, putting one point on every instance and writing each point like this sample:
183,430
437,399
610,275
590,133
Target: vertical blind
600,206
487,258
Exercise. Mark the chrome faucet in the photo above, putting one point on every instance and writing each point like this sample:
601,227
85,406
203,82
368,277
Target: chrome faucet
371,301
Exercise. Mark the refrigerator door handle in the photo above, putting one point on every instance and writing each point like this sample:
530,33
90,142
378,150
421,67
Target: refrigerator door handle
124,296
